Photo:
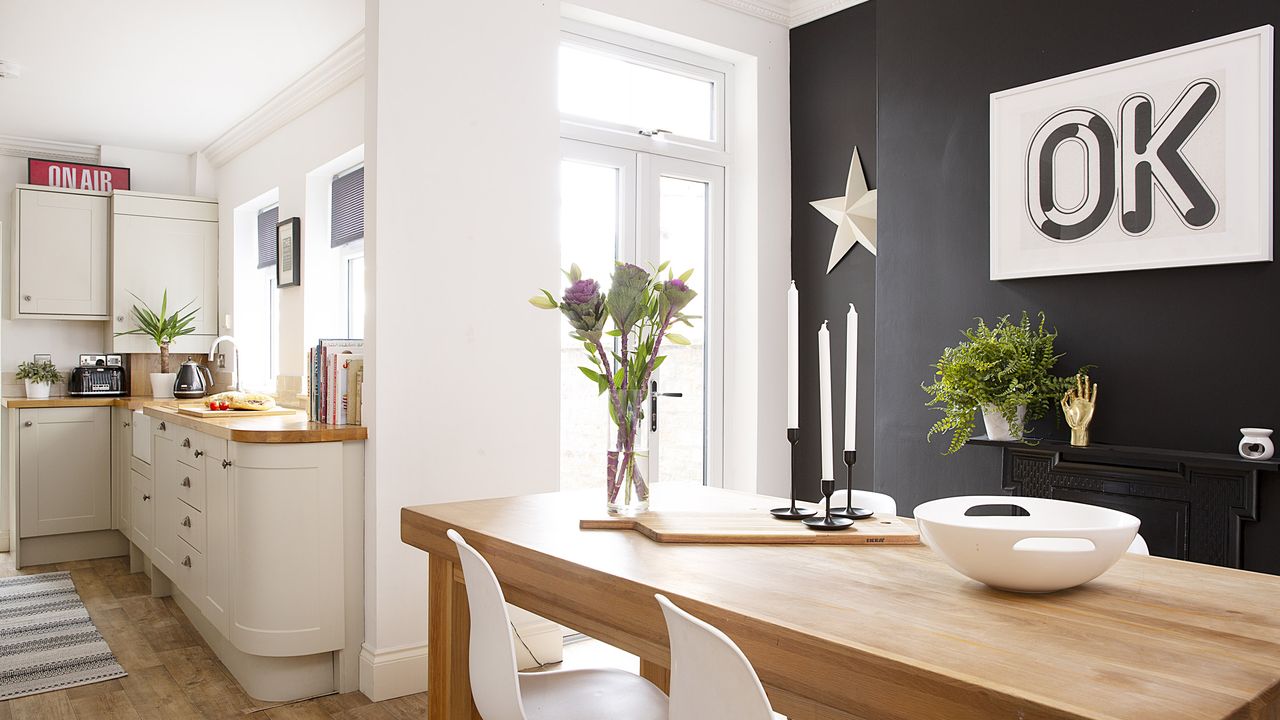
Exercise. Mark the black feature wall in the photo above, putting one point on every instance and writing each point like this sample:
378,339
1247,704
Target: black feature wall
1185,356
833,109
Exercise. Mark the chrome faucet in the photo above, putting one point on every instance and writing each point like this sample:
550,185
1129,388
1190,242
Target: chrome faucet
213,349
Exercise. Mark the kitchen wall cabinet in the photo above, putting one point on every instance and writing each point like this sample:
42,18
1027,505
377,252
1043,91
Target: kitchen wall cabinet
59,263
163,243
64,470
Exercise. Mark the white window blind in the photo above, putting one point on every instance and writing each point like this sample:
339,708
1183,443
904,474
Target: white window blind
348,207
267,220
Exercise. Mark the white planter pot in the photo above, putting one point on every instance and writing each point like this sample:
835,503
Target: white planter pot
998,426
37,390
162,384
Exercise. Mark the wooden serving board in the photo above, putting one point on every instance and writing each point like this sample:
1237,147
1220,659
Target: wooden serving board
203,411
681,526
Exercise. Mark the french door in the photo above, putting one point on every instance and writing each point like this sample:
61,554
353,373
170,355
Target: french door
644,208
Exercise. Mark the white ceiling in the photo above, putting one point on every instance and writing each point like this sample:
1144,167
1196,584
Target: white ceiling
168,75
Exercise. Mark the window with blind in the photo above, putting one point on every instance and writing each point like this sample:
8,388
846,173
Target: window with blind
347,207
268,218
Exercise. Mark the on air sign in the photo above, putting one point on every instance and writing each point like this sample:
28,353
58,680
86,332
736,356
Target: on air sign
76,176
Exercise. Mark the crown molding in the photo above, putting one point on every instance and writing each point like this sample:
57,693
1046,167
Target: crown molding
343,67
803,11
48,150
788,13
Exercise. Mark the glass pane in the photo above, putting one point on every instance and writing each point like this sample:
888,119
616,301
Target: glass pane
355,297
683,227
589,226
607,87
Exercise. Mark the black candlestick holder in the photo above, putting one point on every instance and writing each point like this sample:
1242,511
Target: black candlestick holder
849,511
828,521
793,512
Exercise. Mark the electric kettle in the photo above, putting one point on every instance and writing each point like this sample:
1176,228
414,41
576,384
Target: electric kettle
194,380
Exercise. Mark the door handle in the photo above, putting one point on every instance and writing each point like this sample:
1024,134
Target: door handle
197,453
146,498
653,403
27,424
226,464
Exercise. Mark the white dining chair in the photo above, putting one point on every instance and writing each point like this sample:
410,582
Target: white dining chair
710,677
501,692
878,503
1139,546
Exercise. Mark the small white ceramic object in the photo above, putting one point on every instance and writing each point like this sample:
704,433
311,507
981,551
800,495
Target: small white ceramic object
162,384
40,390
998,426
1056,545
1256,444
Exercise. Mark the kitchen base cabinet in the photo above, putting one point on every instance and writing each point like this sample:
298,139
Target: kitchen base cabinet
60,484
263,546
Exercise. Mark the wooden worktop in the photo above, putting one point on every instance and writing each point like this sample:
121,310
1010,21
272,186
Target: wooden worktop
844,632
248,428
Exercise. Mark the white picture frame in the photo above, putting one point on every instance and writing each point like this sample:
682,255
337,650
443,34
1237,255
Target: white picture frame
1161,161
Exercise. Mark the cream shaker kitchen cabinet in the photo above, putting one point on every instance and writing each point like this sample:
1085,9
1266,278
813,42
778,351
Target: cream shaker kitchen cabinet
64,470
59,264
159,243
121,454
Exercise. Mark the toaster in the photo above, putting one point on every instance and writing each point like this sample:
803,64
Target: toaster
99,375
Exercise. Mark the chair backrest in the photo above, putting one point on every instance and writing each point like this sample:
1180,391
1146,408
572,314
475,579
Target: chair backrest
873,501
495,683
710,677
1139,546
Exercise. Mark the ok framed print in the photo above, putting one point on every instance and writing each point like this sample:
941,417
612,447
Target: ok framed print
1159,161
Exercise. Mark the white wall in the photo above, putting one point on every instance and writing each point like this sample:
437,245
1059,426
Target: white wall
282,161
461,170
152,171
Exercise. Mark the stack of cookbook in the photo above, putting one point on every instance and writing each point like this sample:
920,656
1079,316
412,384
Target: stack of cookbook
335,381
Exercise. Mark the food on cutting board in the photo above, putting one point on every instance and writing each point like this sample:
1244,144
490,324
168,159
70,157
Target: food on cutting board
234,400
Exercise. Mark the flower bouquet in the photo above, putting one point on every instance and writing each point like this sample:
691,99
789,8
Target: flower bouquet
644,308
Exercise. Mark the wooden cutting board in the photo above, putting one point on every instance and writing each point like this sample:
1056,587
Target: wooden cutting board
680,526
203,411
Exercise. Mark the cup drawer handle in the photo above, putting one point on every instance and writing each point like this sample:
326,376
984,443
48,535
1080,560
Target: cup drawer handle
186,521
186,561
186,482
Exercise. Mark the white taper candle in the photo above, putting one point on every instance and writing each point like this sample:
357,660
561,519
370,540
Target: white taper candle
824,381
851,382
793,356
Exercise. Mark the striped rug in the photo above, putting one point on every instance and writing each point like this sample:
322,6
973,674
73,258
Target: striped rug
47,641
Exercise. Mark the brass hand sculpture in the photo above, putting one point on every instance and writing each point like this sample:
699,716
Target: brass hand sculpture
1077,405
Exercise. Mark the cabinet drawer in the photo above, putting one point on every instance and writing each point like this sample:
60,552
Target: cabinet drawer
188,573
190,525
191,450
188,484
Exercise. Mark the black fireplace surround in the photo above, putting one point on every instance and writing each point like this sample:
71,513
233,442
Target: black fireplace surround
1202,507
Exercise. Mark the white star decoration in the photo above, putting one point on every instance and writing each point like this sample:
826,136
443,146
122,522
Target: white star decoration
854,214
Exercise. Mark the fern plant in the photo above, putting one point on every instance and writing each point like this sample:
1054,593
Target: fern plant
163,328
1000,368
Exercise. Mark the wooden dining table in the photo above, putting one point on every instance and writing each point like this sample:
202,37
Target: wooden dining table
866,632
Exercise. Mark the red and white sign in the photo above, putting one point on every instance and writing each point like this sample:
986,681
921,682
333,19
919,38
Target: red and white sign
76,176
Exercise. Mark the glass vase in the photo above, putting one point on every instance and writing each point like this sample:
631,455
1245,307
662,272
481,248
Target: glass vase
627,458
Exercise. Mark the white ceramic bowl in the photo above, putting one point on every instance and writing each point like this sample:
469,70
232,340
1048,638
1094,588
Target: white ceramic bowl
1056,545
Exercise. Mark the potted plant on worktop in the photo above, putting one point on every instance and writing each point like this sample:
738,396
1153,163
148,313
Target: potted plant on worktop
163,328
1003,371
38,376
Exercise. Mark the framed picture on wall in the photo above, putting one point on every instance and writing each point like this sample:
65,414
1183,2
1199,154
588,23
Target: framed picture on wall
1159,161
288,253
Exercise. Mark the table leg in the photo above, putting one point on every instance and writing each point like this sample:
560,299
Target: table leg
656,674
449,630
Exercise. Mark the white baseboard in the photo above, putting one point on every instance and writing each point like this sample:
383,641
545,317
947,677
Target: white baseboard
392,673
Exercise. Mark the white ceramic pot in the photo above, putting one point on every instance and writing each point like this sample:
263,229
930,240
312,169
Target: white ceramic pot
1256,444
37,390
998,426
1053,546
162,384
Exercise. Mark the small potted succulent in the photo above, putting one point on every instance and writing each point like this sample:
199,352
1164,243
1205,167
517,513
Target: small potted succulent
163,328
38,375
1005,372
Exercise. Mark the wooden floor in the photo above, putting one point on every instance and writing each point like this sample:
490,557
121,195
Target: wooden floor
173,675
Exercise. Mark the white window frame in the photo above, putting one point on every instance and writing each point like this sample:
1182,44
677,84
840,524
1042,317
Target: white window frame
346,253
662,57
641,160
